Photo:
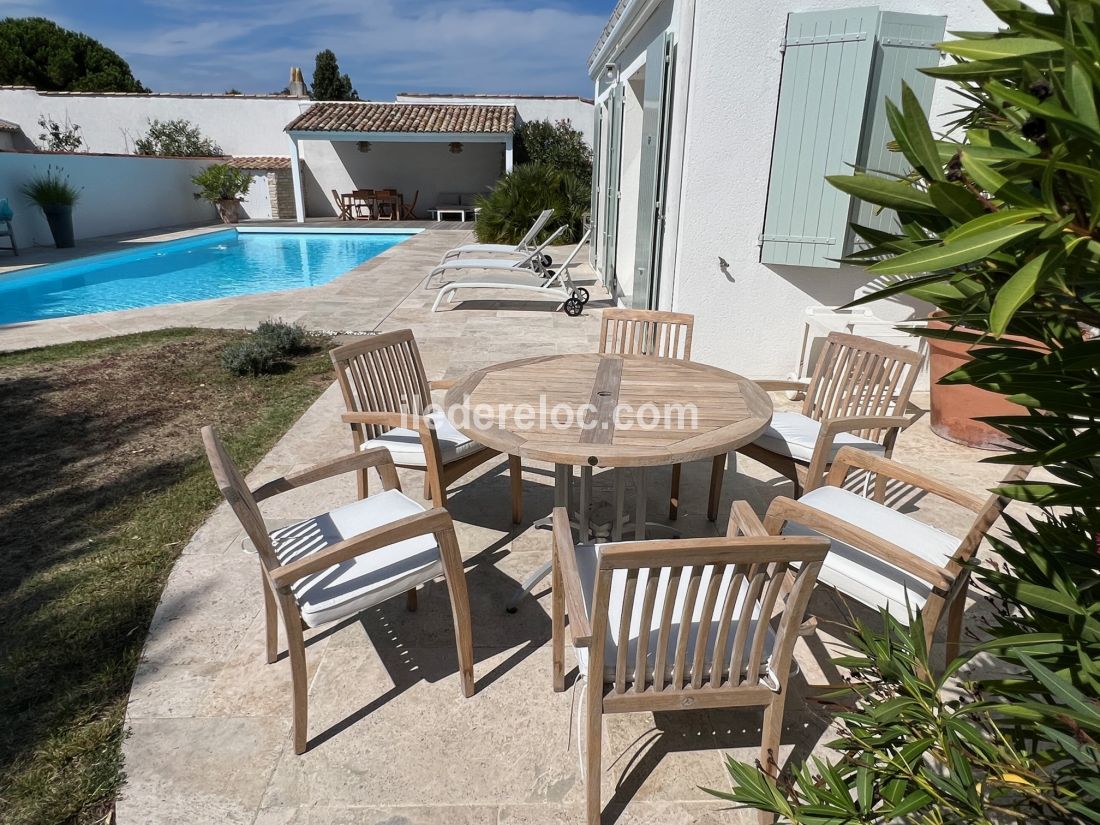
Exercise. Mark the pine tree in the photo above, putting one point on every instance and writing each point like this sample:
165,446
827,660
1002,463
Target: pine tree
328,83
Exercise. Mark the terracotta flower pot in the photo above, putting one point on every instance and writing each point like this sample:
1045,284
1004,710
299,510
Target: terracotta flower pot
956,406
229,210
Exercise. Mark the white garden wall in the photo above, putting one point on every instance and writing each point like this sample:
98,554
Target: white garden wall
111,123
118,193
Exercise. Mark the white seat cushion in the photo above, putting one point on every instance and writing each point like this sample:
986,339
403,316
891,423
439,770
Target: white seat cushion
365,580
588,556
406,448
794,435
867,578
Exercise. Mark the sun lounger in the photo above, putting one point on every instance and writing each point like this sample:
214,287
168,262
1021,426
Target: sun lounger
521,249
531,262
514,277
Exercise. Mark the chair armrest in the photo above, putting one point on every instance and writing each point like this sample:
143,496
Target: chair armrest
784,509
429,522
780,385
744,522
565,557
850,457
442,384
375,457
850,423
832,427
388,419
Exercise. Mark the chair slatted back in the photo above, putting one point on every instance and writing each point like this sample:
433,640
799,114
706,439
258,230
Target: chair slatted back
381,373
699,592
646,332
237,493
857,376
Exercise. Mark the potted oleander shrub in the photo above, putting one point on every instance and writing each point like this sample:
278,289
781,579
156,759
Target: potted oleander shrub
224,186
52,192
1000,228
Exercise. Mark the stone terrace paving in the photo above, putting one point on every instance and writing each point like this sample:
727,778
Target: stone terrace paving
392,739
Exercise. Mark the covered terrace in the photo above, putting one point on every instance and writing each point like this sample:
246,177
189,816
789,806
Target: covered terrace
428,148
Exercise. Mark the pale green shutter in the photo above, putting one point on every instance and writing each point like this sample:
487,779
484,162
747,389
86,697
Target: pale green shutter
906,44
823,88
594,206
651,181
611,182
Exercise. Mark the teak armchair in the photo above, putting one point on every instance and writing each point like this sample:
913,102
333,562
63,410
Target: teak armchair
387,396
679,624
857,396
884,558
653,333
337,564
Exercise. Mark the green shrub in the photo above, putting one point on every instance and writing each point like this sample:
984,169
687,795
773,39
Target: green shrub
998,227
555,144
281,337
221,182
517,199
176,138
252,356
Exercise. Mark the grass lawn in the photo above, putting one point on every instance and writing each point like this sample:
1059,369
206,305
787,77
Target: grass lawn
103,482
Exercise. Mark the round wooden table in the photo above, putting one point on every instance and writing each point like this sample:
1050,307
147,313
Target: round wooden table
602,410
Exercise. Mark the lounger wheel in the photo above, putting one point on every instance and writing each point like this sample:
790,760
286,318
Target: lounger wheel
546,261
547,273
581,294
573,307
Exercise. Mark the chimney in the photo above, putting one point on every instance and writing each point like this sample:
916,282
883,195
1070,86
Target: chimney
297,85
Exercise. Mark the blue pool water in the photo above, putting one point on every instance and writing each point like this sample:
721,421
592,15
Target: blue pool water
217,265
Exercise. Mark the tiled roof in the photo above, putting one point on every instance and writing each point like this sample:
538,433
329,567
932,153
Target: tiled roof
265,162
491,96
8,126
620,7
404,117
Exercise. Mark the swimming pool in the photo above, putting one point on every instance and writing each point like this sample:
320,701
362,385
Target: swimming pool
214,265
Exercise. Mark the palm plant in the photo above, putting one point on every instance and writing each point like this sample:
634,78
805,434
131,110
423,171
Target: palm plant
999,226
519,196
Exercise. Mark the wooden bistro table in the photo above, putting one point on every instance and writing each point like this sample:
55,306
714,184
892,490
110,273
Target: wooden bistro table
604,410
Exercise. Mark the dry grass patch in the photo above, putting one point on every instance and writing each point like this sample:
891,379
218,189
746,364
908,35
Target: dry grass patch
102,481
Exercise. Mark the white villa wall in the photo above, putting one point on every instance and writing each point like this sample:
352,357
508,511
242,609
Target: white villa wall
110,123
574,109
748,318
118,194
429,167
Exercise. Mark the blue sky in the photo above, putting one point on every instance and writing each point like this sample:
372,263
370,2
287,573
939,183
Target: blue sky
523,46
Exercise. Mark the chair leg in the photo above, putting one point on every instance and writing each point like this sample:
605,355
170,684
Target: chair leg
515,472
717,475
593,744
674,493
955,615
271,621
557,625
362,486
460,608
411,602
296,648
427,488
769,748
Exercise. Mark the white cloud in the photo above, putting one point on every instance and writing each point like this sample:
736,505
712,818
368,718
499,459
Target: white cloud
386,46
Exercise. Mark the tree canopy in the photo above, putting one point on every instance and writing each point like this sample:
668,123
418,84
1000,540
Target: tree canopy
328,83
37,52
558,145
